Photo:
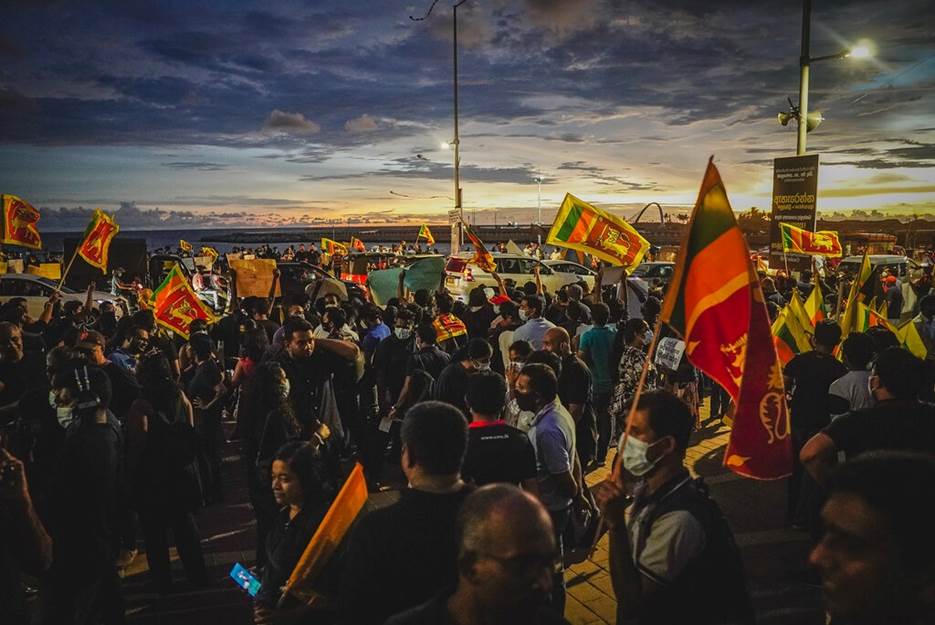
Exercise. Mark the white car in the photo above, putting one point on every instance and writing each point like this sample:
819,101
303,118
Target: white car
566,266
37,289
461,277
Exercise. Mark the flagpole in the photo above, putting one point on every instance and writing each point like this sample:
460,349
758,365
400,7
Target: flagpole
61,282
615,470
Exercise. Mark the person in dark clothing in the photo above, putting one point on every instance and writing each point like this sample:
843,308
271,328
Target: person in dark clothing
309,364
83,583
405,553
122,382
20,370
505,560
480,313
808,376
451,386
429,360
162,447
496,451
267,424
391,358
899,420
574,391
206,391
26,546
302,492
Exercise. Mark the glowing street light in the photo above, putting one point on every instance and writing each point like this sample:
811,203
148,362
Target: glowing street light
808,121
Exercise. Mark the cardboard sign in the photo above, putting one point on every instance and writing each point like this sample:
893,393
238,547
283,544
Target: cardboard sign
204,262
52,271
15,265
254,277
669,353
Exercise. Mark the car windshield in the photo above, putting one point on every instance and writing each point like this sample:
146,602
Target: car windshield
642,270
53,284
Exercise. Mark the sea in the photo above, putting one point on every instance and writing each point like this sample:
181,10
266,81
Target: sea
156,239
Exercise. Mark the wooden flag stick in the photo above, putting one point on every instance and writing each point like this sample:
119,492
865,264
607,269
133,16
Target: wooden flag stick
61,282
615,469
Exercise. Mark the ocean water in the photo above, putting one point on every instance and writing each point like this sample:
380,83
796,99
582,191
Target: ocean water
155,239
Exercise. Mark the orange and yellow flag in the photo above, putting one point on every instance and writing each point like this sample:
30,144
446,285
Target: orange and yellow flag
176,305
331,531
357,245
715,302
331,247
19,223
425,233
97,237
588,229
482,258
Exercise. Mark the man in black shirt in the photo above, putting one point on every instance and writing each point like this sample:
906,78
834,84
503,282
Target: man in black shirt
506,555
20,370
897,421
390,360
428,362
496,451
574,391
123,384
309,363
402,555
808,377
451,386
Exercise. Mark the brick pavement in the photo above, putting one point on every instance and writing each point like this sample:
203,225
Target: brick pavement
773,555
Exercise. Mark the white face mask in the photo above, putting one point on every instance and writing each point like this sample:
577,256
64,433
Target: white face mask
635,458
522,314
63,414
285,388
402,333
648,337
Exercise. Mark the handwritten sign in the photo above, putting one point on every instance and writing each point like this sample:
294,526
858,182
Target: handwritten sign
669,353
254,277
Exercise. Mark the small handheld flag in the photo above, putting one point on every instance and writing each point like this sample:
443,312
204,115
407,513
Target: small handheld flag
97,237
176,305
425,233
19,223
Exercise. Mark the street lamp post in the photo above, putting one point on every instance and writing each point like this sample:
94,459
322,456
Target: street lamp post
539,211
456,142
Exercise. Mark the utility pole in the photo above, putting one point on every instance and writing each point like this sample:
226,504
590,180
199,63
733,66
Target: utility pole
804,62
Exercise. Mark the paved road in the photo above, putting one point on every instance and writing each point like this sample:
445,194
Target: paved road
774,556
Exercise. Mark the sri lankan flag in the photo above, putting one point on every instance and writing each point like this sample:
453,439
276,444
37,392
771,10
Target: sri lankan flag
799,241
210,252
815,305
97,237
333,247
789,337
176,305
585,228
482,258
909,338
326,539
425,233
865,288
798,310
19,223
357,245
715,302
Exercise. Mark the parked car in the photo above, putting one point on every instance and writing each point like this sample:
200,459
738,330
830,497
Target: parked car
295,277
656,273
583,273
36,290
899,265
461,276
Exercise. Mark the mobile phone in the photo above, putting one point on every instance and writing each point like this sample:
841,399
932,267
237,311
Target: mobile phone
245,579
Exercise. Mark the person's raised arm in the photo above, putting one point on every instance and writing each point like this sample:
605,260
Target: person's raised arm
47,310
535,273
271,298
88,300
27,537
344,349
819,457
500,283
598,289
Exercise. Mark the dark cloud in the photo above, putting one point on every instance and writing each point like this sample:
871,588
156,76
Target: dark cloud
196,165
413,167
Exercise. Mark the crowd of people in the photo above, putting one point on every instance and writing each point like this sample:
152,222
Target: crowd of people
486,415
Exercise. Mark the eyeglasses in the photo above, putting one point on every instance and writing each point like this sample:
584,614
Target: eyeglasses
525,565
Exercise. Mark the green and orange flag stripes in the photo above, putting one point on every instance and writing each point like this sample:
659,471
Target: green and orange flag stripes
815,304
175,304
425,233
715,302
789,337
330,247
586,228
19,223
482,258
97,237
800,241
327,538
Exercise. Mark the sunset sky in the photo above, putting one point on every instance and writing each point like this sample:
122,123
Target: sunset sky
242,113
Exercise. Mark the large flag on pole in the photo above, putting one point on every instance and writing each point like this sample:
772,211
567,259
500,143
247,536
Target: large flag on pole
482,258
425,233
97,237
799,241
715,302
175,304
586,228
326,539
19,223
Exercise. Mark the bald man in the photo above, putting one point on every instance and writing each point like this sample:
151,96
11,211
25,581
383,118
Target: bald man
506,555
574,391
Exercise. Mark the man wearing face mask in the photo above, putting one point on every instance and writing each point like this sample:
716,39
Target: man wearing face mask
534,326
452,385
673,558
898,420
553,436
